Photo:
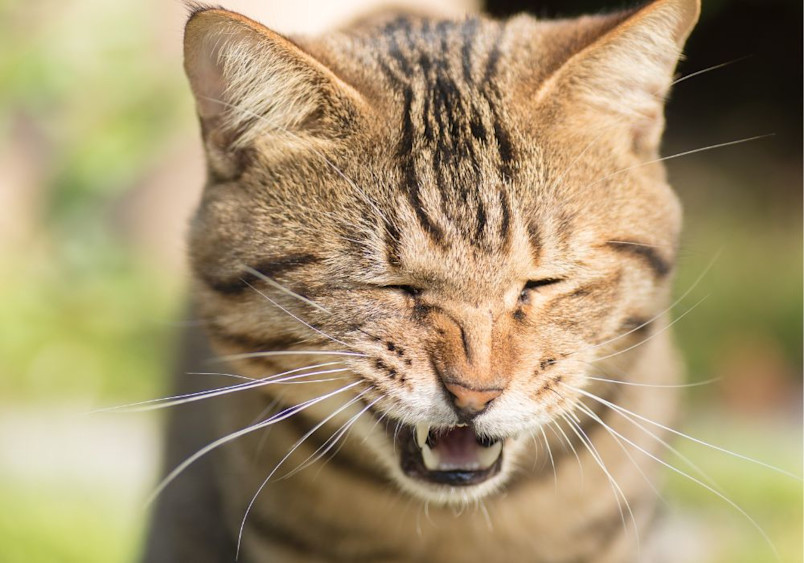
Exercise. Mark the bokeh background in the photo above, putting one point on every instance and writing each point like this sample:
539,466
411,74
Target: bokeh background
100,166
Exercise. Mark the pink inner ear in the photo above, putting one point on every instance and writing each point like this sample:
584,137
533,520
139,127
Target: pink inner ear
208,82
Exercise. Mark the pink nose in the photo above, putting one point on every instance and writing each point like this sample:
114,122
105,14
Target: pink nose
471,401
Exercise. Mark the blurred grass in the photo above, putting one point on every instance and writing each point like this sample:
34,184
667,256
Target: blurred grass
88,320
65,524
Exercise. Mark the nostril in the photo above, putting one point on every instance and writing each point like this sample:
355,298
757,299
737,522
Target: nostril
471,401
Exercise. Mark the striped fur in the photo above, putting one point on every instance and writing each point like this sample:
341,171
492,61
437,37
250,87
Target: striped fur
431,202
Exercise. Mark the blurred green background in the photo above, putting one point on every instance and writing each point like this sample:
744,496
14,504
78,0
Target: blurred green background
100,164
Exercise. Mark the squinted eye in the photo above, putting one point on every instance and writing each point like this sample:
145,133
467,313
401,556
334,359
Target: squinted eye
406,289
535,285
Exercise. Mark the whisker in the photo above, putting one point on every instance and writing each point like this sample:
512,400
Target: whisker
680,154
654,386
295,446
569,443
708,69
692,465
232,375
272,353
198,395
331,441
585,409
154,404
550,455
681,434
287,413
302,321
282,288
661,313
619,494
655,333
284,382
698,482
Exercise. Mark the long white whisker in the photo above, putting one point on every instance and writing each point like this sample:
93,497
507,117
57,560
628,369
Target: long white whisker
296,317
295,446
708,69
654,386
681,434
164,402
234,435
272,353
618,492
550,455
585,409
655,333
154,404
232,375
698,482
570,444
680,154
661,313
322,450
285,290
664,443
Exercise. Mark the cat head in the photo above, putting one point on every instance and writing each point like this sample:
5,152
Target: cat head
466,213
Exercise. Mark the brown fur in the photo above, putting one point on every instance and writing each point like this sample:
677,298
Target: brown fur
465,204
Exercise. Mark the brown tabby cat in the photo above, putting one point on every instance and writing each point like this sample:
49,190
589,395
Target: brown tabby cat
425,241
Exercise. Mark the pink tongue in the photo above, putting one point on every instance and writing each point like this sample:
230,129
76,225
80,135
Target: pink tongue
457,447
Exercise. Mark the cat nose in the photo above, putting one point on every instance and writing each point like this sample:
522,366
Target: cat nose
469,402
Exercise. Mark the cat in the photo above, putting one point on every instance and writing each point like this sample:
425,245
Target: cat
422,245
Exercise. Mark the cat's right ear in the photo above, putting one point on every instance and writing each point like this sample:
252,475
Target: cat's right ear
253,86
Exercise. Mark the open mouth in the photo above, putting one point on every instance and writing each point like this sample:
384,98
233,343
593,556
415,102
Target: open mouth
455,456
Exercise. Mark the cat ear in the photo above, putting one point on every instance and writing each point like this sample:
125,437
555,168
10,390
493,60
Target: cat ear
627,72
254,86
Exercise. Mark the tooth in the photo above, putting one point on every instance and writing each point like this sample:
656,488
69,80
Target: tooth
430,458
487,456
422,431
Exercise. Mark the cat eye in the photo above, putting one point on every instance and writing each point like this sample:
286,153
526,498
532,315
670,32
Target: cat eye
536,284
406,289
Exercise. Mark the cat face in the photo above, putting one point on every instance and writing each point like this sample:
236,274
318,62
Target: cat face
463,213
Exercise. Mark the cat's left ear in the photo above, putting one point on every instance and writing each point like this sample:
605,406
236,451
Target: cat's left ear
627,73
254,86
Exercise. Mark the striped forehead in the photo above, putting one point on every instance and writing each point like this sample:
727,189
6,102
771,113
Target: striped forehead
454,154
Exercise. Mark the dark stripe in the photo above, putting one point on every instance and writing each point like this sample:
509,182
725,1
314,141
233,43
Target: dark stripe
493,58
505,219
481,222
505,147
393,252
648,254
504,144
270,268
469,31
535,238
411,183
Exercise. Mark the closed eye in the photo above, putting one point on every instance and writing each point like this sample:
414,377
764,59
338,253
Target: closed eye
410,290
532,285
